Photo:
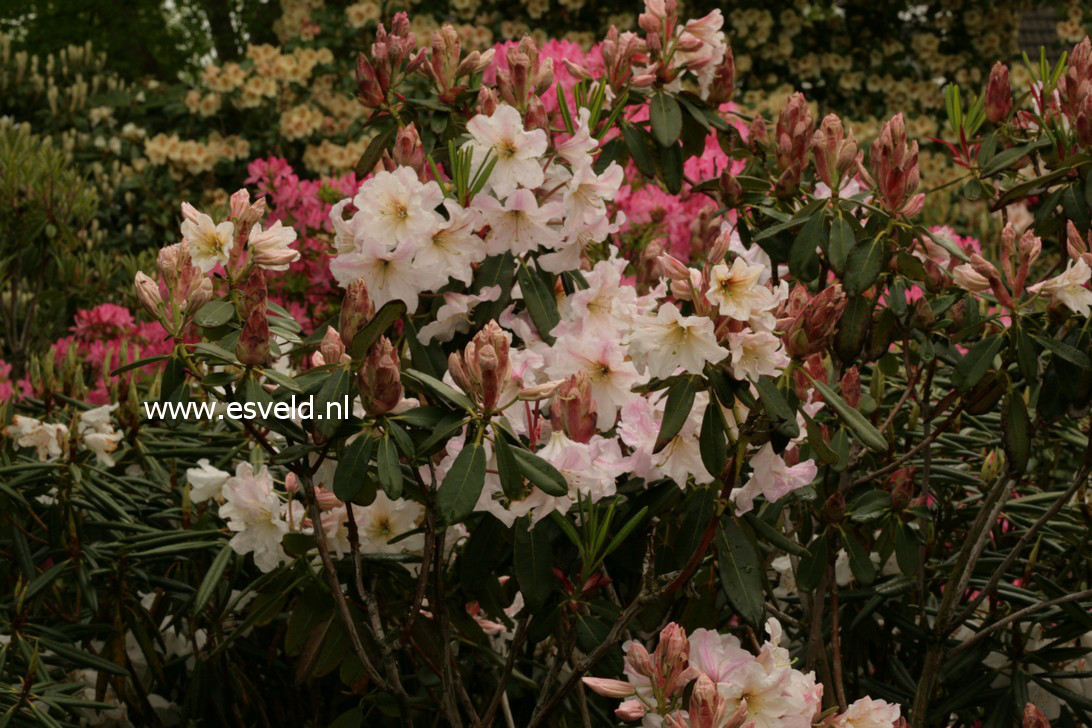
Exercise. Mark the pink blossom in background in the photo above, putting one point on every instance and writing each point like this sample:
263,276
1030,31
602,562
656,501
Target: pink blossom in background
98,334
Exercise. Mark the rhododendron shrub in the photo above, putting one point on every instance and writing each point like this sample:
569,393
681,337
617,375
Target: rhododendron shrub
800,460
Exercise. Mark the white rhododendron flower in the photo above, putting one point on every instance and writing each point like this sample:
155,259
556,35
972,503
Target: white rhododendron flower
399,208
772,478
520,224
205,481
755,354
270,246
1069,288
517,152
256,514
208,244
736,290
47,438
665,342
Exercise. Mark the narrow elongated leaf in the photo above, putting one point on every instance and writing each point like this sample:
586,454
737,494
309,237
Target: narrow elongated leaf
1061,349
212,578
842,242
431,385
666,117
510,476
544,476
330,410
974,364
711,441
532,562
776,407
774,536
639,150
859,563
864,265
389,468
214,313
680,401
803,256
862,429
1016,431
740,574
541,302
375,149
351,481
386,316
462,485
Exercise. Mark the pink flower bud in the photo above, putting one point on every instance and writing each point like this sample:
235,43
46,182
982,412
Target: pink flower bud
998,93
483,369
673,268
488,101
808,322
244,213
895,174
631,710
408,151
1074,243
757,134
573,409
369,90
851,387
536,116
793,137
609,688
332,348
200,293
357,310
1034,718
380,379
253,347
147,292
723,87
539,392
638,659
835,154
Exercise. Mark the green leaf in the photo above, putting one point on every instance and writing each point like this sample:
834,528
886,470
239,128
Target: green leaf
430,384
775,536
462,485
541,302
859,562
213,314
740,573
1065,351
1016,431
532,560
666,117
334,390
389,468
803,256
544,476
510,476
680,401
776,407
638,147
670,165
907,552
212,579
351,481
862,429
390,312
864,265
376,147
842,242
974,364
1001,160
711,441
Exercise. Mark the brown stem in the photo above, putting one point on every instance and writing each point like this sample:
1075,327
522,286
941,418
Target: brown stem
836,645
509,665
1018,615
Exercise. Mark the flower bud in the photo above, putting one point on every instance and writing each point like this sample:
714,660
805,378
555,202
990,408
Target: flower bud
998,93
757,135
243,213
408,151
483,369
200,293
835,507
731,191
609,688
536,116
253,347
835,154
147,292
380,379
1034,718
332,348
851,387
895,174
488,101
573,410
539,392
369,89
356,310
808,321
923,316
902,488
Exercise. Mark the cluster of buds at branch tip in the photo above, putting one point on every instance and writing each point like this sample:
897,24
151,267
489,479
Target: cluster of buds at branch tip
731,191
807,321
793,137
573,409
253,347
835,153
245,213
998,94
445,64
392,58
895,174
525,74
1016,260
188,289
709,709
357,310
483,369
488,101
148,294
380,379
1076,88
621,52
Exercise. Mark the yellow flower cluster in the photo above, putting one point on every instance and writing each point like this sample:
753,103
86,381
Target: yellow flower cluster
194,157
